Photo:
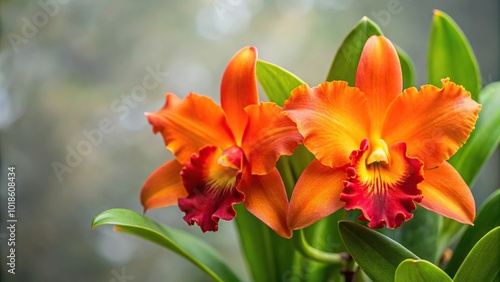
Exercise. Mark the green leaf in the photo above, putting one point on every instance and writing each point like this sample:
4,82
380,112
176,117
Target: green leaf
300,160
407,68
268,256
483,261
420,234
490,99
283,166
484,140
278,84
419,271
450,55
178,241
378,255
276,81
483,223
345,62
322,235
278,260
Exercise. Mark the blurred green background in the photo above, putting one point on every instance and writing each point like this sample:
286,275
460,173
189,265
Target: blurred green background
72,79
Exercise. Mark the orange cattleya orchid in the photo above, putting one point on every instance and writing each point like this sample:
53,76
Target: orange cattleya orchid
378,149
224,155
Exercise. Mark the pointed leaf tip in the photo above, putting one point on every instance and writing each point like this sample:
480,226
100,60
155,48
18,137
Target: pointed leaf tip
450,55
276,81
346,59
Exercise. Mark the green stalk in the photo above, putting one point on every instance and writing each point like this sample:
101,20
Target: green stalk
301,245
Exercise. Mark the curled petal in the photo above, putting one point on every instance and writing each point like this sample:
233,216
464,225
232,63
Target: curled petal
211,190
433,122
445,192
190,124
239,89
268,135
163,187
385,193
333,118
379,76
316,194
265,197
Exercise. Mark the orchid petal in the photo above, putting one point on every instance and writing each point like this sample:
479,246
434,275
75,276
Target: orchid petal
333,118
188,125
163,187
316,194
265,197
433,122
379,76
269,134
446,193
239,89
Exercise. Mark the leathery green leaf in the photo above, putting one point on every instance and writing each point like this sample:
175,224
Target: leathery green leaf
268,256
483,261
322,235
285,261
419,271
378,255
407,68
420,234
276,81
483,223
345,62
184,244
450,55
278,84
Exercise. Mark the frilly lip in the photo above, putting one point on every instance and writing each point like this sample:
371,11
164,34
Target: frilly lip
212,190
386,194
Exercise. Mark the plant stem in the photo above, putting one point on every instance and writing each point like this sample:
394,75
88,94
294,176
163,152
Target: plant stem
350,269
301,245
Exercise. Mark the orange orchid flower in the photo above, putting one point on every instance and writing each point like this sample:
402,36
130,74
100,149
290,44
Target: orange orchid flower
224,155
378,149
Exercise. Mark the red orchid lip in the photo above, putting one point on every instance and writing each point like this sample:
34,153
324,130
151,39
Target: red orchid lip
385,193
212,190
